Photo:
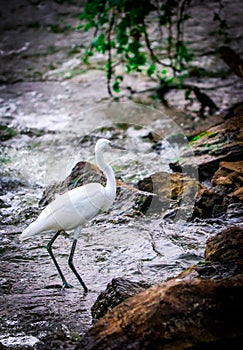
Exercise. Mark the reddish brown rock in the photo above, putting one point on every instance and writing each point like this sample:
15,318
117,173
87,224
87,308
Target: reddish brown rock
226,188
187,312
223,256
226,246
229,174
176,315
238,195
82,173
222,142
170,186
116,292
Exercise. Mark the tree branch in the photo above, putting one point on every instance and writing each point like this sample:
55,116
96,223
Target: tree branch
109,70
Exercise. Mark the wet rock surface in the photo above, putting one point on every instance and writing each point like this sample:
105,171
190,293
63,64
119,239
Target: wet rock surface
116,292
226,190
218,158
223,257
181,313
222,142
174,315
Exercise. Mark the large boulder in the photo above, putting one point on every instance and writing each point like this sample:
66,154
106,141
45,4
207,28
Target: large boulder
195,314
223,256
226,188
222,142
118,290
199,309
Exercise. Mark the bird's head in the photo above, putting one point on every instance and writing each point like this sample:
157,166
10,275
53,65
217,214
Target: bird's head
104,144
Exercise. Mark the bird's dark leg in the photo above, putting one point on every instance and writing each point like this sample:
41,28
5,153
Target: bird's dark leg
72,267
49,249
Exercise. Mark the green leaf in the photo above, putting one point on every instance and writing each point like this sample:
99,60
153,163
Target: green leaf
170,80
151,69
128,68
99,43
116,86
119,78
88,26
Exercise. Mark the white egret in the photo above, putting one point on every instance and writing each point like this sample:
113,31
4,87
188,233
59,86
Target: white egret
73,209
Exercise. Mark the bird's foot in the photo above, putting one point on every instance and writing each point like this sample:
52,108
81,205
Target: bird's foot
66,285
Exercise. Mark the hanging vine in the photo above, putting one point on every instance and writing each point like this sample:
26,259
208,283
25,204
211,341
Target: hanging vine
122,31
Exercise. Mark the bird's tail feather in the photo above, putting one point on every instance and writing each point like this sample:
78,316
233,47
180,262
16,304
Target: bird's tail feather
32,230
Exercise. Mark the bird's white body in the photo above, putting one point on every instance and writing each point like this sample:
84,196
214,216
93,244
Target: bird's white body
67,211
73,209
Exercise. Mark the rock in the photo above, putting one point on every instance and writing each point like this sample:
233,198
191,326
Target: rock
193,310
116,292
222,142
234,213
2,347
175,193
226,246
226,188
130,201
206,202
169,186
229,174
7,132
8,183
185,312
82,173
223,256
177,314
59,340
238,195
3,204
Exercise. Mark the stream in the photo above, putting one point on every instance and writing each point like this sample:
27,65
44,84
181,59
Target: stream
143,249
54,123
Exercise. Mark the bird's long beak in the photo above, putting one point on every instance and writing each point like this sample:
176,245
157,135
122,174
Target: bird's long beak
117,147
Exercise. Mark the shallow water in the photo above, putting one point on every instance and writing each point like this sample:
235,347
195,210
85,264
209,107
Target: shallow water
145,249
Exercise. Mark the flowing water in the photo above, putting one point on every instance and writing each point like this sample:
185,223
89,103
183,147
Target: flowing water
146,249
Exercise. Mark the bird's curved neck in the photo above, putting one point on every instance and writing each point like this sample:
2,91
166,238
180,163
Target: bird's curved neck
110,187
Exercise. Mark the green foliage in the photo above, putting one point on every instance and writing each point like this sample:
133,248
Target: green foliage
208,134
168,10
121,31
116,83
151,69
